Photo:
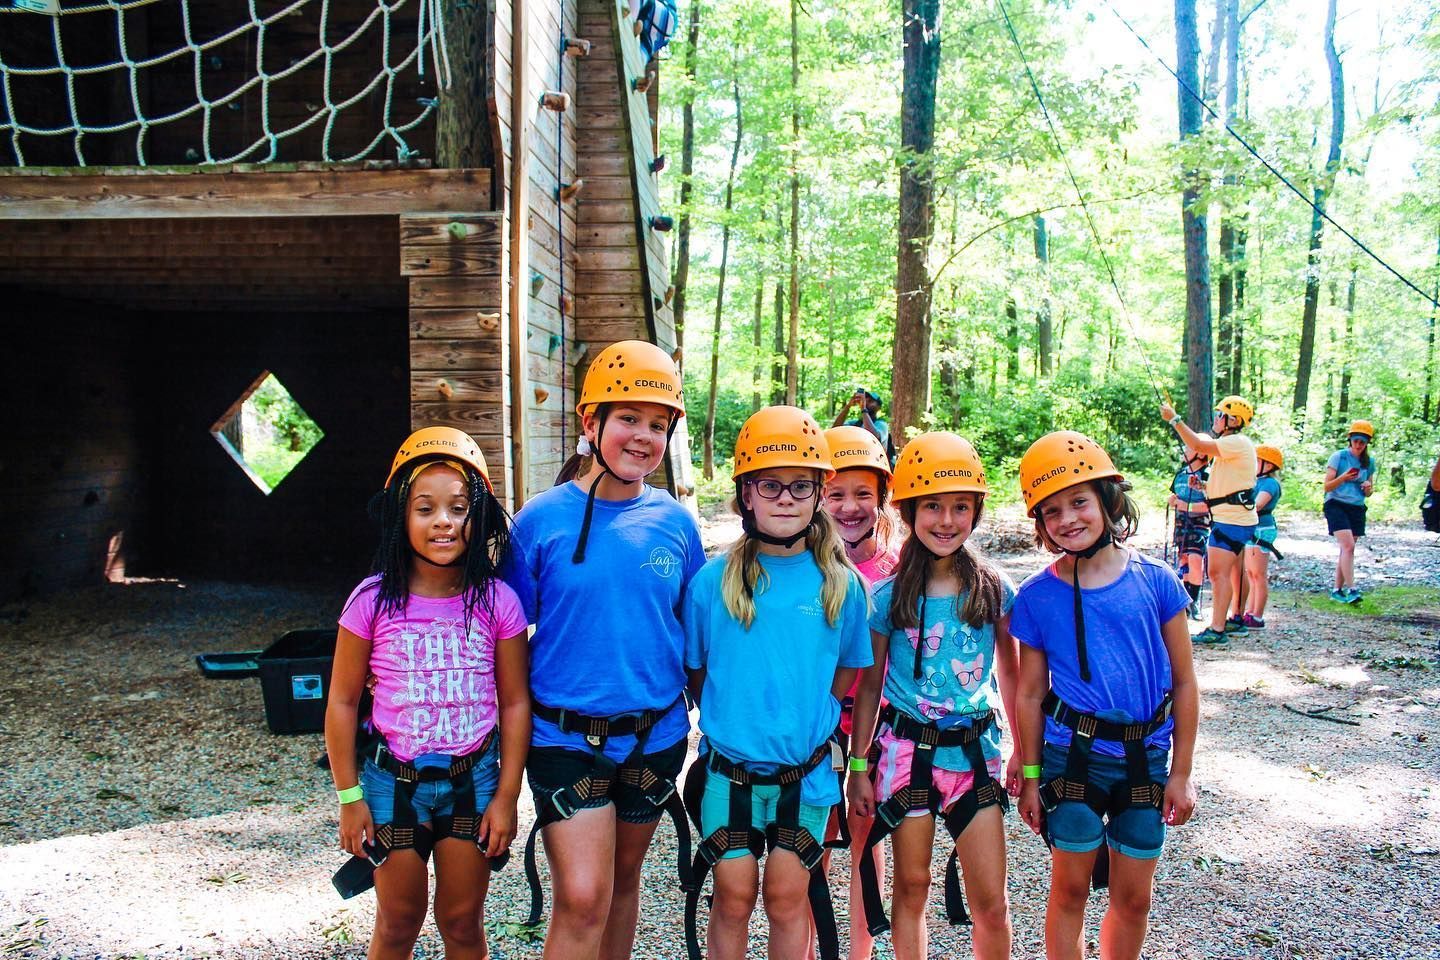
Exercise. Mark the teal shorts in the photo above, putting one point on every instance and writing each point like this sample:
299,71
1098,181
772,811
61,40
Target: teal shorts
715,811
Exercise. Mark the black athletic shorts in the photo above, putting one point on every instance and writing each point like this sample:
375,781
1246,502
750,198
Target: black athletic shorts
550,769
1340,515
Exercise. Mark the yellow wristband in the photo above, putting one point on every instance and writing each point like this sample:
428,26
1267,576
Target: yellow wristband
1030,771
350,794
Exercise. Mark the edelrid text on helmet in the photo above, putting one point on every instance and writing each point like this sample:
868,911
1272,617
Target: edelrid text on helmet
776,448
938,462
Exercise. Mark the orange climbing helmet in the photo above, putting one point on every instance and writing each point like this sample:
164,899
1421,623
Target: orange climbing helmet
854,447
440,443
1060,460
1364,427
939,462
632,370
1270,455
1237,407
781,436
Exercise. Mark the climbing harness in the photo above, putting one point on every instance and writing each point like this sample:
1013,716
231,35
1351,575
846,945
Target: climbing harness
404,832
599,781
786,833
921,794
1137,790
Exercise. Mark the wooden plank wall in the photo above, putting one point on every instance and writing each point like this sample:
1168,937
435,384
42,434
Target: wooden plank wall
105,98
458,345
72,472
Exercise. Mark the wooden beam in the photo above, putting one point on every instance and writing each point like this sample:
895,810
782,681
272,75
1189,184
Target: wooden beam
137,194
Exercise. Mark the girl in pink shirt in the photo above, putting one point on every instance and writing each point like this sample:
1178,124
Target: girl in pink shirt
858,500
445,643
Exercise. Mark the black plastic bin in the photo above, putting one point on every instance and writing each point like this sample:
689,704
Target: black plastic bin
295,679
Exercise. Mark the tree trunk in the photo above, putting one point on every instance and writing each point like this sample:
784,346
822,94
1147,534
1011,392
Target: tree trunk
1012,341
720,288
681,280
1347,348
1227,17
757,373
1323,186
1042,316
777,361
792,362
911,357
1199,355
1430,339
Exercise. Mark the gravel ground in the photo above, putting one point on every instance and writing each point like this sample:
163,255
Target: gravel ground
145,811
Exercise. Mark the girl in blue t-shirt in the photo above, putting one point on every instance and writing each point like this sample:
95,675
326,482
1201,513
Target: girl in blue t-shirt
1257,554
1349,481
601,564
944,657
774,634
1104,649
1192,522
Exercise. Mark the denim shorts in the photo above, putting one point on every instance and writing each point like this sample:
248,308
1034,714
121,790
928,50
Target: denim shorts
1138,832
551,769
715,810
435,798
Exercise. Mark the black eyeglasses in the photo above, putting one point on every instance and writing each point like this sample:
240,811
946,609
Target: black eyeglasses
771,489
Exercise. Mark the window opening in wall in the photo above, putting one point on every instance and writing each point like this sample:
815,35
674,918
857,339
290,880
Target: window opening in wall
266,432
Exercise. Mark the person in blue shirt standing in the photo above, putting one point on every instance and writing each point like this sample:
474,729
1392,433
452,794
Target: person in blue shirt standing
1349,481
775,631
601,564
867,419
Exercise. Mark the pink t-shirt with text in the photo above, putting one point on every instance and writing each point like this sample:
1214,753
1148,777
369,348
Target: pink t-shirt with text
877,567
435,686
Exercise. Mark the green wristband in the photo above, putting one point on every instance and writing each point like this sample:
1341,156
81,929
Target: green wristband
1030,771
350,794
859,764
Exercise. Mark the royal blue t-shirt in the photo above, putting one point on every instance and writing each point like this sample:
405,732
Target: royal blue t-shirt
607,635
1129,664
957,668
1349,491
766,701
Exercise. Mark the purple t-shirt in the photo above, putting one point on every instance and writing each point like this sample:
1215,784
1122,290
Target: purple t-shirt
1129,664
435,686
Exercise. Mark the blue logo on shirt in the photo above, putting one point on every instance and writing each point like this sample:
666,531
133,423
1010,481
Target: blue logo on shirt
662,561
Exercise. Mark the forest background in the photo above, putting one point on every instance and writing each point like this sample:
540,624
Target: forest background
1028,334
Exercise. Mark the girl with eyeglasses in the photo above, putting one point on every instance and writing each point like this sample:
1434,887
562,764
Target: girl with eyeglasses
947,665
774,634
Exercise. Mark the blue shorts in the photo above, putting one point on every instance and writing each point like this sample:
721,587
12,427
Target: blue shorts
1340,515
1236,533
433,799
1138,832
715,810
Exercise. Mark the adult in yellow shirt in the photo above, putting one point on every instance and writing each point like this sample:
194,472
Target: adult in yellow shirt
1230,492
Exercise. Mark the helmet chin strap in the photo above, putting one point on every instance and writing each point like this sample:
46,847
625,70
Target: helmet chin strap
604,411
1104,541
852,544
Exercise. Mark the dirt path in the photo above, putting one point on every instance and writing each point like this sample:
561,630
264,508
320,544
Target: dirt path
146,811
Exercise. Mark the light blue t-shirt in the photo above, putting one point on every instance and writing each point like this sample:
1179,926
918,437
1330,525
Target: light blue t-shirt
766,699
1349,491
1129,664
607,635
881,427
1266,514
1180,486
957,668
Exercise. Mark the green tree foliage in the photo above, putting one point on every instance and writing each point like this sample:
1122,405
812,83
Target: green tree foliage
996,166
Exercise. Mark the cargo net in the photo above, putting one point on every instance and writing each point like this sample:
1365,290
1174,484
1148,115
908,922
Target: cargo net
218,81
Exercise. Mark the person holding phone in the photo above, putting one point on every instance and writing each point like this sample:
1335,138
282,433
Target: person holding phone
1349,480
867,418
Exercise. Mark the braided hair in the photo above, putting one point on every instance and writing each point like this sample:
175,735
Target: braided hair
487,537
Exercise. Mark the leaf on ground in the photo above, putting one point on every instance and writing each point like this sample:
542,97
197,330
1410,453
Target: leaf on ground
106,793
256,801
1384,852
1316,773
1265,935
226,879
93,756
516,931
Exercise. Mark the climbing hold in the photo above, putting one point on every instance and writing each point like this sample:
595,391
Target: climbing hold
575,47
556,100
657,164
488,321
669,293
642,84
554,344
444,388
581,350
458,230
662,224
568,191
567,305
541,394
678,355
537,283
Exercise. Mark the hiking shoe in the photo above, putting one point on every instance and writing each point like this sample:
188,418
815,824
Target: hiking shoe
1234,628
1193,611
1339,595
1354,595
1253,622
1211,637
1234,622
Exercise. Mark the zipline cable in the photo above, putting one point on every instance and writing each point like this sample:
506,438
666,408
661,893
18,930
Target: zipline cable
1084,205
1267,164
